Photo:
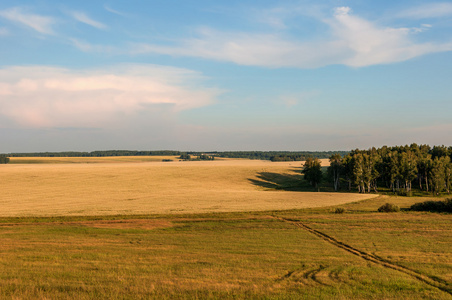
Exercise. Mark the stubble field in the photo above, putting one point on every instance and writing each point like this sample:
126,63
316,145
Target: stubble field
124,185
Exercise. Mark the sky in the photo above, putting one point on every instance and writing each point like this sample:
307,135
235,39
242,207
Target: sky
199,75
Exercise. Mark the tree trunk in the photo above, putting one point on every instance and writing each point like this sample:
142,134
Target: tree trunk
420,181
426,182
335,180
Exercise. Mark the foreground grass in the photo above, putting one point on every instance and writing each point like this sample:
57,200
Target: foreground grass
225,255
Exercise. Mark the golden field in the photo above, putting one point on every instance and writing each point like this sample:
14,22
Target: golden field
128,185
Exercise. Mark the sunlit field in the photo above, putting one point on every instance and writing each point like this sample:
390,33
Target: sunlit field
85,187
140,228
296,254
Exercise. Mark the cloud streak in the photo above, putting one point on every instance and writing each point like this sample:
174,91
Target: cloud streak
431,10
87,47
4,31
114,11
83,18
41,24
40,96
353,41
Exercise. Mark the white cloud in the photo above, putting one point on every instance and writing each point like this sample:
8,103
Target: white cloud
352,41
342,11
268,50
369,44
42,24
39,96
431,10
83,18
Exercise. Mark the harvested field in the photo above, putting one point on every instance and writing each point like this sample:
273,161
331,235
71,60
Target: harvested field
154,188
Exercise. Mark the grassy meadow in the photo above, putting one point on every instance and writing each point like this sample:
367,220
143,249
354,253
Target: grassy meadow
83,231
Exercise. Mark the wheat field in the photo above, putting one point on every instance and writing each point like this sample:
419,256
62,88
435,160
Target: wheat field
136,186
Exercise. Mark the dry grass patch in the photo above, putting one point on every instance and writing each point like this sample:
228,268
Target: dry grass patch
125,224
240,258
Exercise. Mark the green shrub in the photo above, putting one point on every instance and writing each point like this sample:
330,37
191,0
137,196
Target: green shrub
433,206
4,159
389,207
339,210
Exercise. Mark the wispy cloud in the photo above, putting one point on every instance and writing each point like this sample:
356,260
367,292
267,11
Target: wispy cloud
42,24
88,47
368,44
283,17
114,11
41,96
84,18
352,41
290,100
4,31
431,10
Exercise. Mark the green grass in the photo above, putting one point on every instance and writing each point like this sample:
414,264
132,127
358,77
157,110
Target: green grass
226,255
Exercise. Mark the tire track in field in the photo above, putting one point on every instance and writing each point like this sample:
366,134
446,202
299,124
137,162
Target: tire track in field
432,281
305,276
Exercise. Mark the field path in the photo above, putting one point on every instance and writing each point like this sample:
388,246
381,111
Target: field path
432,281
128,188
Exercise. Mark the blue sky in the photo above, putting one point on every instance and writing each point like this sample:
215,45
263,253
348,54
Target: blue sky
224,75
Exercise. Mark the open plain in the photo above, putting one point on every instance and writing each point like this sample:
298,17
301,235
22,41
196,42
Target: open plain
130,228
124,185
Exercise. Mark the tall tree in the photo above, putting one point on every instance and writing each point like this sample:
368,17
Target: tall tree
394,170
347,167
447,173
408,168
437,174
359,172
371,162
424,167
335,169
312,171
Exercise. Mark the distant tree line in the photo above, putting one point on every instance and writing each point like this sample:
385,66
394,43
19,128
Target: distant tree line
4,159
397,168
186,156
263,155
98,153
278,155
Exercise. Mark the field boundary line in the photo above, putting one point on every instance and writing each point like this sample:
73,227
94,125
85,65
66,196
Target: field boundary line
434,282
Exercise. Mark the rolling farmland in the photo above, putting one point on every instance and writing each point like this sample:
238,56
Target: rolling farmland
93,186
133,228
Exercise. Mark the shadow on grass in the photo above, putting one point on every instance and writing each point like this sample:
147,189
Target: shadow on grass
285,182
